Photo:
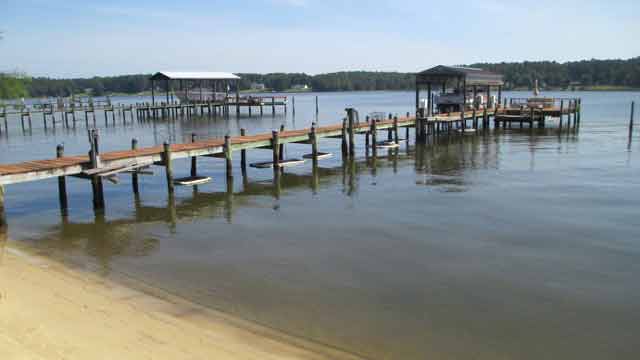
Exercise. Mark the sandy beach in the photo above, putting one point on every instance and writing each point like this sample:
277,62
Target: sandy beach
49,311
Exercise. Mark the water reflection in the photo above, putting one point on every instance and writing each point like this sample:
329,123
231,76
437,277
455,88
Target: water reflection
441,164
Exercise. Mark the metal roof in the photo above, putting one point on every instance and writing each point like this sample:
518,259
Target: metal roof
193,75
472,76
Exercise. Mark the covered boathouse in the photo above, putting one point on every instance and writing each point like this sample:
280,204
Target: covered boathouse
197,86
461,81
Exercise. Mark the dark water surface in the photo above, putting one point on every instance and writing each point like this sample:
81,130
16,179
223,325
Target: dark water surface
508,244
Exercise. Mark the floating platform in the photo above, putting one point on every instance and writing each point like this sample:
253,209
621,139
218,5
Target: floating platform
321,155
387,144
192,180
281,163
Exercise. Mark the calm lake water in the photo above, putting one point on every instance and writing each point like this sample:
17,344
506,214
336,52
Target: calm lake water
509,244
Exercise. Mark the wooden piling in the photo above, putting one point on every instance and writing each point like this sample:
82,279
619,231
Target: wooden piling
374,136
561,111
345,147
395,129
227,155
282,144
350,117
243,155
62,184
633,105
194,160
314,146
96,181
275,145
134,173
317,106
166,159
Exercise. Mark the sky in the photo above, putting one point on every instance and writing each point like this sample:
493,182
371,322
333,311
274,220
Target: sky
83,38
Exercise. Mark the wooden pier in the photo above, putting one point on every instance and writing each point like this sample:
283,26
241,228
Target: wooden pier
97,166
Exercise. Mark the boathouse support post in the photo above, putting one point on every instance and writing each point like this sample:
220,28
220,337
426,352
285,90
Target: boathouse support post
429,99
243,155
194,160
464,103
561,111
166,159
238,97
134,173
390,130
62,184
499,94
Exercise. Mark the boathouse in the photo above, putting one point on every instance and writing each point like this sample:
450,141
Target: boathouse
200,86
460,80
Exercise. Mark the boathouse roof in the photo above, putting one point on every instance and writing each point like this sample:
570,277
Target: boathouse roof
193,75
472,76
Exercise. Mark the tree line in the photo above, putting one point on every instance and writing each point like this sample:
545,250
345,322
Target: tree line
577,74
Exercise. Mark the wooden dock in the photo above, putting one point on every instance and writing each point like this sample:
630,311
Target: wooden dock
69,114
97,166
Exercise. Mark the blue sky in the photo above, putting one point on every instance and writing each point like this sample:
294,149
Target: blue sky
84,38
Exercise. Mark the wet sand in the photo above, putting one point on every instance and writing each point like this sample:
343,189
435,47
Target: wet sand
49,311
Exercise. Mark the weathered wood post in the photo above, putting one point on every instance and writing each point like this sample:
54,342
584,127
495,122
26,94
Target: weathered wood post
314,146
134,173
243,155
633,105
406,130
62,184
367,134
166,159
317,106
227,155
345,147
194,159
374,137
350,117
281,151
561,111
275,145
395,129
96,181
